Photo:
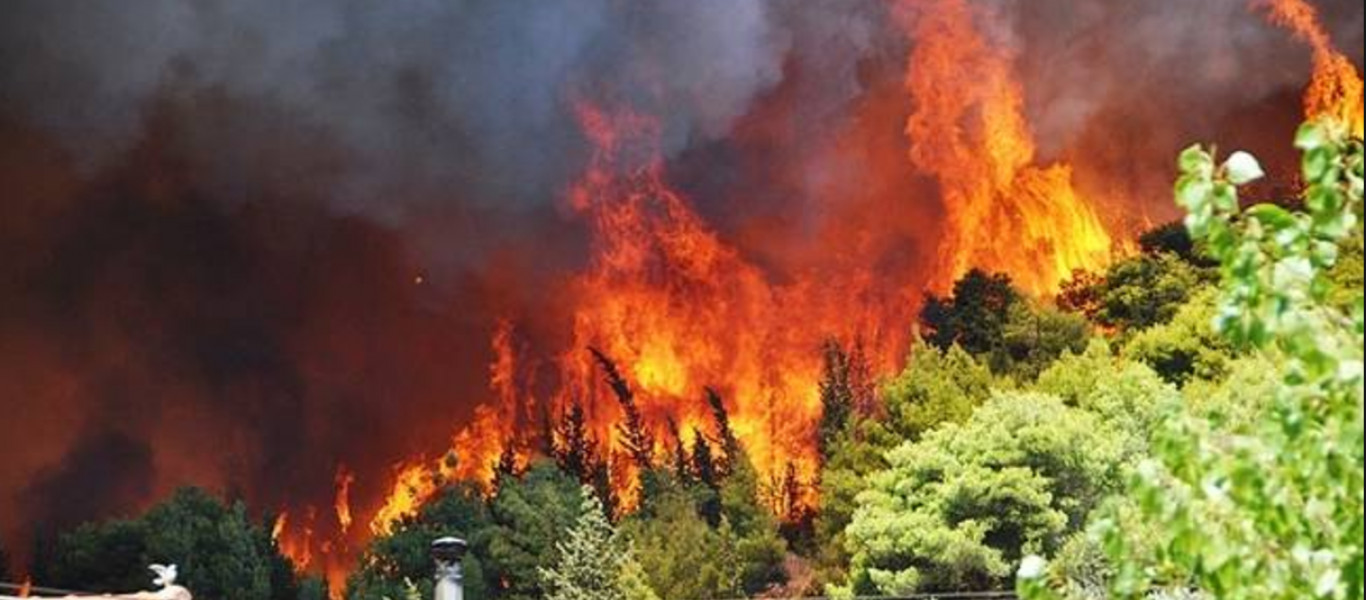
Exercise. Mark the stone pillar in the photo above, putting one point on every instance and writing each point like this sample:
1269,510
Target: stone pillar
448,552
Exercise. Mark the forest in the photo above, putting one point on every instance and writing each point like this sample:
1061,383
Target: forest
1186,423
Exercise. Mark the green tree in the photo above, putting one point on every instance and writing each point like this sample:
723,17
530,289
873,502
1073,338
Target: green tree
1147,290
837,396
759,549
1186,348
1036,335
937,386
592,562
1126,394
1271,507
847,391
974,316
956,510
313,587
528,517
1173,238
681,555
844,475
216,548
390,561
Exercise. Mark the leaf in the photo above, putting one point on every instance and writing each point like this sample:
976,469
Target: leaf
1317,163
1196,161
1310,135
1274,216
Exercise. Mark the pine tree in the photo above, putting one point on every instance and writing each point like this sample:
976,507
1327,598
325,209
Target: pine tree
681,461
602,484
703,462
862,382
730,445
792,494
635,436
837,397
593,562
704,470
507,468
575,449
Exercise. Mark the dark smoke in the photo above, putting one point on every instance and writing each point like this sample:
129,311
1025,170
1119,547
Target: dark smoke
104,468
245,241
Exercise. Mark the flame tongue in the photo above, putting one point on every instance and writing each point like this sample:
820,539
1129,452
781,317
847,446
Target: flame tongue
680,310
969,131
1335,89
342,504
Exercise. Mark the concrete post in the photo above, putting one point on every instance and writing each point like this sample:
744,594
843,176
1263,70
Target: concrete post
448,552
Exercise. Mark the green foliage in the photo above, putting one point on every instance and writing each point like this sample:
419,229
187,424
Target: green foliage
844,475
1269,507
957,509
974,316
759,548
1186,348
1035,336
1126,395
681,555
1171,238
744,553
1237,402
403,556
100,556
937,386
846,391
219,553
1147,290
529,517
312,587
1348,275
592,561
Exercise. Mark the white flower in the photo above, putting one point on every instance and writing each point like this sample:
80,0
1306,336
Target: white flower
1032,567
1243,168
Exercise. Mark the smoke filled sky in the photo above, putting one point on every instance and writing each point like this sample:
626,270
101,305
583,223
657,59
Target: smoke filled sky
243,242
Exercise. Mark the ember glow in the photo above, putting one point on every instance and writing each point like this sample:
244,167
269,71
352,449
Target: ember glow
367,252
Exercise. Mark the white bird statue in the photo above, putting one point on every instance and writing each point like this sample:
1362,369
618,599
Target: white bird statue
165,575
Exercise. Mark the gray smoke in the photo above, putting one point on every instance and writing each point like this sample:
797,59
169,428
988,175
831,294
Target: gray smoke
412,97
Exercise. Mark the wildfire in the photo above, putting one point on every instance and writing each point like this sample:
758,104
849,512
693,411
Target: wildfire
297,545
329,555
968,130
1335,89
475,449
414,483
342,504
678,309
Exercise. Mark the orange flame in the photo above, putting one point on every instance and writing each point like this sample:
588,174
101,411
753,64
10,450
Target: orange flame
414,483
969,131
297,546
678,308
1336,88
342,504
26,588
474,449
